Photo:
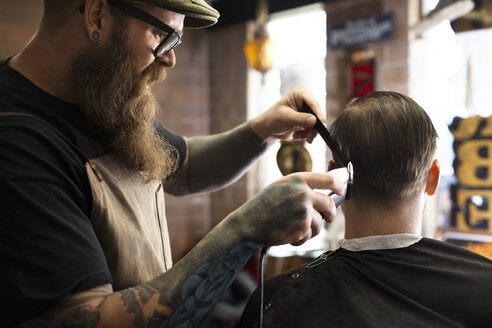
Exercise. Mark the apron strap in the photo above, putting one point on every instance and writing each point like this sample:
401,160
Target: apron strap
77,149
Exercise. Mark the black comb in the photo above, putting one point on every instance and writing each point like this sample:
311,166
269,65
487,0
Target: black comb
322,130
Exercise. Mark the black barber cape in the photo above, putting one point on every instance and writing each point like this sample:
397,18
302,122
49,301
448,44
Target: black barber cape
428,284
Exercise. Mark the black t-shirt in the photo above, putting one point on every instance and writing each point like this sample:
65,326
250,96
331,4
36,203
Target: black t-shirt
428,284
48,247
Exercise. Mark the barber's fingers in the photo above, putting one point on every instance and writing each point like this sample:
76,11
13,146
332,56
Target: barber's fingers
302,241
323,208
301,124
325,180
301,95
309,228
324,205
308,135
292,119
282,122
316,224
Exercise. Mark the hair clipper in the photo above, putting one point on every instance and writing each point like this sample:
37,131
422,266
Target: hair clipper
346,174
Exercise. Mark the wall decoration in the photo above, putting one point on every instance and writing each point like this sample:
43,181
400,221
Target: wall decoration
362,31
362,78
472,194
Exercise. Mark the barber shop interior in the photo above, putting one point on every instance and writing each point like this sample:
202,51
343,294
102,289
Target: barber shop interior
401,94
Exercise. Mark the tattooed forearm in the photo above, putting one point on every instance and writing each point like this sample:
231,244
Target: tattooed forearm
132,304
203,287
135,299
145,293
82,316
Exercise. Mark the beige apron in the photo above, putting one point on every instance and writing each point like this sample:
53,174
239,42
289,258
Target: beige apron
128,217
129,220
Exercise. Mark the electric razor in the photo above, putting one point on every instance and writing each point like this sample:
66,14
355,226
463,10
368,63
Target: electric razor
346,174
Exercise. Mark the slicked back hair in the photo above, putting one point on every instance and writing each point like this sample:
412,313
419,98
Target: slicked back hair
391,143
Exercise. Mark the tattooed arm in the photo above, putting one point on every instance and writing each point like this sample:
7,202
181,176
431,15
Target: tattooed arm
288,211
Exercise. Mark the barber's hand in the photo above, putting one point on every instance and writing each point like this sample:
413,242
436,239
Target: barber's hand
285,119
288,210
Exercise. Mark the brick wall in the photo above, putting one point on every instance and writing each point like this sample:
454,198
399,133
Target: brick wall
184,100
228,104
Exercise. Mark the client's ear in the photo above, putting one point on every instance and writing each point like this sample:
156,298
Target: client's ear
433,178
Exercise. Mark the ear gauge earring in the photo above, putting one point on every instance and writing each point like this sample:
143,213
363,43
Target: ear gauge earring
95,35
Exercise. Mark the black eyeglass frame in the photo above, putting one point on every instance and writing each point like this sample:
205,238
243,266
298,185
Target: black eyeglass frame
172,39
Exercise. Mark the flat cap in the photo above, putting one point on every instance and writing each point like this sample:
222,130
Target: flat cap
199,14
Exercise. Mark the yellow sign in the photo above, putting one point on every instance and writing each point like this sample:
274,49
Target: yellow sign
472,162
473,214
473,169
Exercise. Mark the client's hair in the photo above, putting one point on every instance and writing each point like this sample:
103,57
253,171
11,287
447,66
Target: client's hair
390,141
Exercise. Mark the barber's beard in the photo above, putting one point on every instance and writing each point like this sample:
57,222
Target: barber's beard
115,98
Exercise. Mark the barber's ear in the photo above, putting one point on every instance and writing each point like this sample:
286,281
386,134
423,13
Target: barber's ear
433,178
93,17
331,165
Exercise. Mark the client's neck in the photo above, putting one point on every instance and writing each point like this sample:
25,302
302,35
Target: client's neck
367,218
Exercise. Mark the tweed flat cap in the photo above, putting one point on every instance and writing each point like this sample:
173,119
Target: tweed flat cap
199,14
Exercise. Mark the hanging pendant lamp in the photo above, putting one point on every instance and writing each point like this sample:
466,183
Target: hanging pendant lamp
259,51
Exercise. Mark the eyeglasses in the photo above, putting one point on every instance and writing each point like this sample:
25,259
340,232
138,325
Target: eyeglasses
170,41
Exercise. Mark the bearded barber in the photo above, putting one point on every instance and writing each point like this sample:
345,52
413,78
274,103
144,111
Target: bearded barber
83,235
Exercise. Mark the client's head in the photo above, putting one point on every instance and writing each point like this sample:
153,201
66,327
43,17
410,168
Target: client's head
391,143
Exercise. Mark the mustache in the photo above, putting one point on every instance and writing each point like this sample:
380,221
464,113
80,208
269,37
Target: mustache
153,73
